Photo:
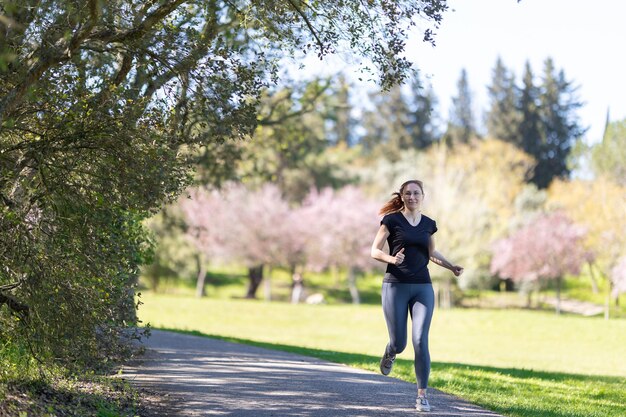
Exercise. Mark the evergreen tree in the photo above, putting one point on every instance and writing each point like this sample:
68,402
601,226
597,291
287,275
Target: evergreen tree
530,125
609,156
461,126
400,120
504,116
386,125
560,124
339,114
421,124
397,120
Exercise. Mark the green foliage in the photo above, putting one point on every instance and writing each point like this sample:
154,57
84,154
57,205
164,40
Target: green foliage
530,125
609,156
105,107
503,117
461,124
290,147
174,256
401,118
561,128
539,119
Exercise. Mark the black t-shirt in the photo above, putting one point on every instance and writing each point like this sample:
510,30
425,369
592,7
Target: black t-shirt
414,240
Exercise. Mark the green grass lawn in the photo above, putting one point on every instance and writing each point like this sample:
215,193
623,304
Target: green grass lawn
519,363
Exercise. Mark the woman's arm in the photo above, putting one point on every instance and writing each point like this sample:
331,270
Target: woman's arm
377,248
440,260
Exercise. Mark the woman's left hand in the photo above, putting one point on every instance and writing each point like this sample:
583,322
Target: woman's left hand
457,270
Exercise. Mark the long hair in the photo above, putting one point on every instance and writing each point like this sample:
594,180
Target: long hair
395,204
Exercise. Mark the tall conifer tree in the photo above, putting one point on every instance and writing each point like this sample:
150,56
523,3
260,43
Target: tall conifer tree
400,120
504,117
561,127
340,113
461,125
530,125
421,124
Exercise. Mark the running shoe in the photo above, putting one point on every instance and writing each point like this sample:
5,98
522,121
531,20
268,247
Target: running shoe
422,404
386,363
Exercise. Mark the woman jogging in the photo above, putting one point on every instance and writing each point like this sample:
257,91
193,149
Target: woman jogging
407,287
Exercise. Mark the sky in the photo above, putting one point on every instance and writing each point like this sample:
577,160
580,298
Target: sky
584,39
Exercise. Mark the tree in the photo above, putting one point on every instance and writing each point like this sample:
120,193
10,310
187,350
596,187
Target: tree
172,249
597,205
461,125
400,119
258,228
560,125
342,132
289,145
386,124
546,248
504,116
242,225
421,101
342,225
609,156
530,125
103,107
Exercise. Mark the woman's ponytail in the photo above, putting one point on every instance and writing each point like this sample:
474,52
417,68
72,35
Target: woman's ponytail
396,204
392,206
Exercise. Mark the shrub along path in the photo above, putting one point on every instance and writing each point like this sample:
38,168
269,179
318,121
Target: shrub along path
204,376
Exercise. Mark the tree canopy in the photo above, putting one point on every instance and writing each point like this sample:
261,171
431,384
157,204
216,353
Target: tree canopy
103,108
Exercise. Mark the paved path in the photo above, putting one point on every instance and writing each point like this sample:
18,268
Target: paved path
208,377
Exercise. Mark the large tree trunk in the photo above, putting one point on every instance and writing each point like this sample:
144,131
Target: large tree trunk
255,277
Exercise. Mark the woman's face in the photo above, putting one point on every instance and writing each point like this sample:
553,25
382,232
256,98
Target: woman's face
412,196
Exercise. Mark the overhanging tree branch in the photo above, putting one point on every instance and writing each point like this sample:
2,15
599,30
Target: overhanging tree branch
310,26
14,305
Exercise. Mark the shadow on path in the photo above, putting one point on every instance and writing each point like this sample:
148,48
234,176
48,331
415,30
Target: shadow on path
216,377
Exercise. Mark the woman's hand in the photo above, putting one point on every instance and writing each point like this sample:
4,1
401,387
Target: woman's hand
399,258
457,270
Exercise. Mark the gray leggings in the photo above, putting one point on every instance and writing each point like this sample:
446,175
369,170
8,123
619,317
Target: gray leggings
419,300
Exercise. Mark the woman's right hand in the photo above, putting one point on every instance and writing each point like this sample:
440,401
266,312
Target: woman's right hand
399,258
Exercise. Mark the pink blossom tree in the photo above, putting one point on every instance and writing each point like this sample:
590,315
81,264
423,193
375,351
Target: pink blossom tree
331,229
345,223
546,248
237,224
206,215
